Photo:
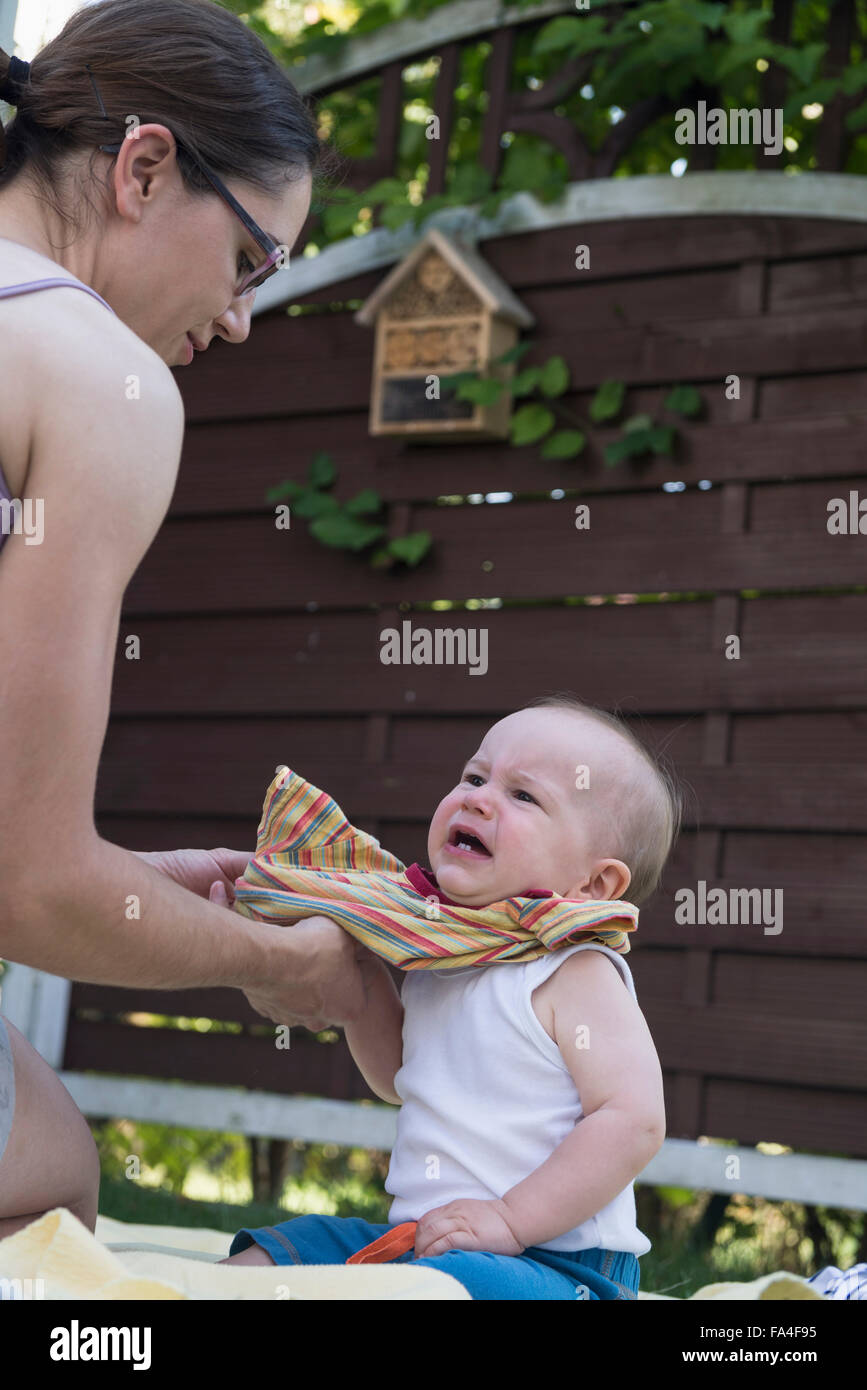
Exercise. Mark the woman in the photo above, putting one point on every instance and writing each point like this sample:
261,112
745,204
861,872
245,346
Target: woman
154,246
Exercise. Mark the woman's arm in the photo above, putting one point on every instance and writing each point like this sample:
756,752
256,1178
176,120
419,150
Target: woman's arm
71,903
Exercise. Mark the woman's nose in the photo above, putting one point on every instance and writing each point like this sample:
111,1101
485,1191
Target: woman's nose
237,317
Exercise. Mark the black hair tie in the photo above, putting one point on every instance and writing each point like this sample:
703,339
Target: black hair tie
18,74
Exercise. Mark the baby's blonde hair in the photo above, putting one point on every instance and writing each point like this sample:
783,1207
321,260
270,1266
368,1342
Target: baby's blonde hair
649,821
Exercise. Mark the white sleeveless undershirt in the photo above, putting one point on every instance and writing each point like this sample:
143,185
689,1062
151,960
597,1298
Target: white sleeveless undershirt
487,1097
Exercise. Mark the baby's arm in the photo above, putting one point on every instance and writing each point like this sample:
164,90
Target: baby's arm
619,1080
376,1038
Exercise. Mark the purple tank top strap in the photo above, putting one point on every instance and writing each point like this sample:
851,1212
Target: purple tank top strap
5,496
28,286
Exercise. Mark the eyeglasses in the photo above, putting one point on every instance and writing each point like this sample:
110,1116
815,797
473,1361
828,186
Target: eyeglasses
275,254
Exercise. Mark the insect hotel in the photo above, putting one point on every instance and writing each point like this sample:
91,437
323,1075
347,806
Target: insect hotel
441,311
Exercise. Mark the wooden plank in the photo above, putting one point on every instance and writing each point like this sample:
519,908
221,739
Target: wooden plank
806,1178
534,553
824,280
162,832
794,1051
800,506
664,350
819,393
235,1109
811,738
196,768
823,922
719,450
235,1059
818,1117
794,987
640,246
210,659
841,857
227,1005
732,1041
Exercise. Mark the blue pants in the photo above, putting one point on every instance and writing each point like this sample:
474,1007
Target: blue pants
537,1273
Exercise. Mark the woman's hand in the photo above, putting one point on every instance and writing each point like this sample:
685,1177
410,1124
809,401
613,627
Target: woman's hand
334,985
197,869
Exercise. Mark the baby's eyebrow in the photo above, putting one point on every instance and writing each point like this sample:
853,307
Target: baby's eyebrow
515,773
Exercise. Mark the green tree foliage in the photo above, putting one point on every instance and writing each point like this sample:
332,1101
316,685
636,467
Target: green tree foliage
668,48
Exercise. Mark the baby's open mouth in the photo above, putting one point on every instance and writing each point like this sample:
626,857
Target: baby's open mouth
469,844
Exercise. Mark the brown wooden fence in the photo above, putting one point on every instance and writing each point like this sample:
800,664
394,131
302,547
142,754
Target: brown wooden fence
259,646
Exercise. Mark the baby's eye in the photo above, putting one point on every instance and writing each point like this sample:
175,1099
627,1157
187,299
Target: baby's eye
532,798
470,775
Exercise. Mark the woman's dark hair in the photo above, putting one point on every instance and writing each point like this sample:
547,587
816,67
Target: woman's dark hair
186,64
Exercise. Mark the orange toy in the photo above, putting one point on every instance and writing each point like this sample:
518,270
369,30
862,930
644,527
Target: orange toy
388,1247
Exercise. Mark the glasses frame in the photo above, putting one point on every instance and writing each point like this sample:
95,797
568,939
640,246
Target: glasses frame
274,252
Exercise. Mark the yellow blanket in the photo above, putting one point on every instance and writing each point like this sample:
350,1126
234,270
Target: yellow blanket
172,1262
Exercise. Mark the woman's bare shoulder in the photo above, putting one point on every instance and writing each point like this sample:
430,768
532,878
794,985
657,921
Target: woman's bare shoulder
62,335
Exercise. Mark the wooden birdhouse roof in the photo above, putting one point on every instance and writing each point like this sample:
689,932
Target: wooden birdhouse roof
477,275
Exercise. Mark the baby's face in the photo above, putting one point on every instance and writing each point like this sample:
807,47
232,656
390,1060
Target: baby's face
518,796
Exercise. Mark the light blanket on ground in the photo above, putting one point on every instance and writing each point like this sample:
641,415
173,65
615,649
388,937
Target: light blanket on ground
178,1262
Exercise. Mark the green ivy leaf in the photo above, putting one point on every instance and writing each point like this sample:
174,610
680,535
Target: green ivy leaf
555,377
394,215
482,391
578,35
339,221
530,424
565,444
312,503
742,28
853,80
857,119
629,446
802,62
561,33
450,383
383,191
637,422
322,471
343,532
410,548
662,439
381,560
526,381
607,401
368,500
285,489
683,400
513,355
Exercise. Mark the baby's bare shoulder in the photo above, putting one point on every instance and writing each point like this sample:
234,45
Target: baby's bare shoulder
603,1036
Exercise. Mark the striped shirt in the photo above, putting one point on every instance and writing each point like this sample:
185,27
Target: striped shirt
310,861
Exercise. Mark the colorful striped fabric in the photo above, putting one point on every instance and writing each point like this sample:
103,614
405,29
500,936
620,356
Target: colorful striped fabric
309,860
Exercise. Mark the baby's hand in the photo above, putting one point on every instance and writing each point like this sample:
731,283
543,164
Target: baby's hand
466,1225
